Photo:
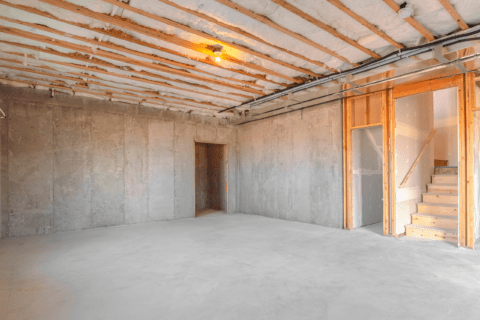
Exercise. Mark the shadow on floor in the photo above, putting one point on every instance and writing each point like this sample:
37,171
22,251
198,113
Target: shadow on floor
205,212
372,228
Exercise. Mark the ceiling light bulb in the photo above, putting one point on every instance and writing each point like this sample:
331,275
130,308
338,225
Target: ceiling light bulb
218,59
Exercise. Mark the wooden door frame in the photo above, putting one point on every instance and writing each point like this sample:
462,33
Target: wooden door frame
347,156
466,104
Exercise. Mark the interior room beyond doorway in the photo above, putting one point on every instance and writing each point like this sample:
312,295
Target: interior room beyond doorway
211,171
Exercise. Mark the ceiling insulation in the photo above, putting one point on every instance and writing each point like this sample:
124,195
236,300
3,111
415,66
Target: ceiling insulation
159,52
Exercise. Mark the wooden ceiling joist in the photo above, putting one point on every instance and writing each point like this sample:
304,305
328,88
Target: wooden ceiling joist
414,23
86,60
111,94
81,80
120,58
130,39
205,35
129,25
244,33
278,27
325,27
130,78
365,23
454,13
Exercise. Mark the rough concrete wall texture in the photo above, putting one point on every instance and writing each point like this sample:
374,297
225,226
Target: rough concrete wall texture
290,166
71,163
414,118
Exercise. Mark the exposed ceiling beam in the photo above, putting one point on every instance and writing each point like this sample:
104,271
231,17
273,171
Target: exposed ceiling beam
122,23
103,71
82,80
414,23
325,27
365,23
114,56
454,13
205,35
111,94
118,34
244,33
278,27
79,57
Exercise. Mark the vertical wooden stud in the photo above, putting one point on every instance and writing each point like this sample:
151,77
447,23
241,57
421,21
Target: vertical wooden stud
386,166
462,206
393,189
470,162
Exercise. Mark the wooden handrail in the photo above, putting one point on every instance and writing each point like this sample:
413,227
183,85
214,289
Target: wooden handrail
418,158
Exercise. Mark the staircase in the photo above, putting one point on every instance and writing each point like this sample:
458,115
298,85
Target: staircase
437,216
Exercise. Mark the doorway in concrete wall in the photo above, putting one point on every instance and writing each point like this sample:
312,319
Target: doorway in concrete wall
211,178
367,187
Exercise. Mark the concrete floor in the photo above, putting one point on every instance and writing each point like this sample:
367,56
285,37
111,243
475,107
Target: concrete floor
235,267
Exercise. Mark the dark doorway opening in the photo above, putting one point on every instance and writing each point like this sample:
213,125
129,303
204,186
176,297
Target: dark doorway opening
211,178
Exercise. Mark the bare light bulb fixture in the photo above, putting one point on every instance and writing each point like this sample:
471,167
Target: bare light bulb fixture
217,50
406,11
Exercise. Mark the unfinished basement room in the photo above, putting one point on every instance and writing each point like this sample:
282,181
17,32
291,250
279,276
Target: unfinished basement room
239,159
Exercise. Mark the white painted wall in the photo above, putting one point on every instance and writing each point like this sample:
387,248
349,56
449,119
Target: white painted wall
367,161
414,117
445,121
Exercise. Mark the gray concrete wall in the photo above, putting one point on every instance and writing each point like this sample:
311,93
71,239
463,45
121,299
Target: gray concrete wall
290,166
71,163
414,118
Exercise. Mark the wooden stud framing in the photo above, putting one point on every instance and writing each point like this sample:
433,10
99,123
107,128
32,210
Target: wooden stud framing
128,38
278,27
122,23
458,19
365,23
324,27
414,23
347,157
244,33
391,146
470,159
386,165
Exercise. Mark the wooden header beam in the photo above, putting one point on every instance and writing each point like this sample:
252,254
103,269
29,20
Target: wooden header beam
458,19
324,27
365,23
278,27
414,23
130,39
244,33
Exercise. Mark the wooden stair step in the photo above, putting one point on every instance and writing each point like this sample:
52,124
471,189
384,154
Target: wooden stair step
445,178
447,198
443,209
434,220
442,187
432,233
